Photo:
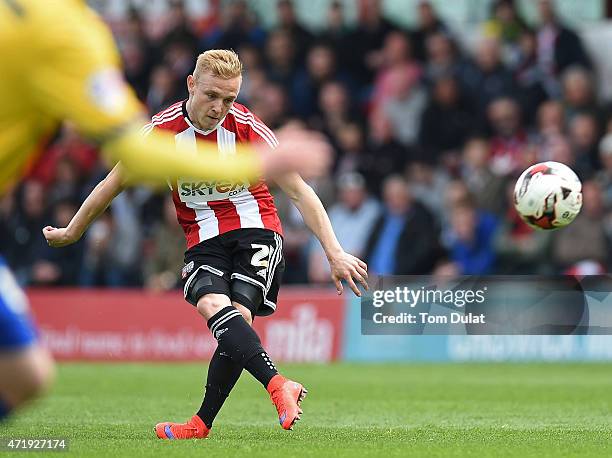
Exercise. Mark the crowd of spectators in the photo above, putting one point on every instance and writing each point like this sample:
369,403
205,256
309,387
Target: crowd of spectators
429,137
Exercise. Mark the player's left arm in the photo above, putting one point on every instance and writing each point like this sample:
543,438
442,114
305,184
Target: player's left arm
343,266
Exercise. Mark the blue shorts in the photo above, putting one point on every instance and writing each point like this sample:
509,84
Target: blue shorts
16,327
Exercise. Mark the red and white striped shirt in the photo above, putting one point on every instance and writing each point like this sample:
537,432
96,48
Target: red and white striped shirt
204,208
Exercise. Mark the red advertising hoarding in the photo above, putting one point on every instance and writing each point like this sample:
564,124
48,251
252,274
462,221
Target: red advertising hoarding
133,325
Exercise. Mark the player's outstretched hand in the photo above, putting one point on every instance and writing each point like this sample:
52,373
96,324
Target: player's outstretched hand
58,237
303,151
349,268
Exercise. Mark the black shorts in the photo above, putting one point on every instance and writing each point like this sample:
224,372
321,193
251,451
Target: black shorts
251,255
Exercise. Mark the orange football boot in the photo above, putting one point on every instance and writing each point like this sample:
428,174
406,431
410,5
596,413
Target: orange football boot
286,395
193,429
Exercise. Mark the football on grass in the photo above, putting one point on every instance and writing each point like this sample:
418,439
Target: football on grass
548,195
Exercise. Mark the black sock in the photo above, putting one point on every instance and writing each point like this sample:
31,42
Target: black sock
223,373
240,341
261,367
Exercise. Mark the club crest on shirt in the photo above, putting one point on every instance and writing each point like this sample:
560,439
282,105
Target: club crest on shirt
108,90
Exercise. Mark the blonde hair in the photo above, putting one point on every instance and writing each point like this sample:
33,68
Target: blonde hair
222,63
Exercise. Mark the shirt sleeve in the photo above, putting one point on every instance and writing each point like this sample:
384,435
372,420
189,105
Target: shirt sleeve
257,131
76,74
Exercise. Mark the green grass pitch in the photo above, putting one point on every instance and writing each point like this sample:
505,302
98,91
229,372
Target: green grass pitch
520,410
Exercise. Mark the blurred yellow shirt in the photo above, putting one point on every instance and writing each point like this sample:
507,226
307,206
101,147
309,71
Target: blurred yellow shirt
49,73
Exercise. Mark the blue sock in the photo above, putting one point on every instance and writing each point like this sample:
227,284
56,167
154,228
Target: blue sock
4,410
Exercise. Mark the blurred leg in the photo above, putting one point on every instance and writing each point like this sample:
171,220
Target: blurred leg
24,375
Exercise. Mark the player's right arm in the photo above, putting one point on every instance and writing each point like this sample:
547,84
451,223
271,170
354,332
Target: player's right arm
94,205
343,265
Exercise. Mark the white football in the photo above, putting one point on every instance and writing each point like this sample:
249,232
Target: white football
548,195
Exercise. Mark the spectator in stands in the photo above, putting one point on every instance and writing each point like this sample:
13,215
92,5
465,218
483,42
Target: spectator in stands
583,137
255,80
113,245
179,57
550,120
404,239
470,242
486,78
287,21
320,69
558,47
530,156
66,186
271,105
487,188
335,109
529,77
558,149
251,59
446,122
367,39
351,149
94,271
507,26
25,246
178,27
164,261
509,138
405,106
384,155
137,52
336,33
428,24
395,57
428,184
353,209
586,238
280,59
163,90
253,72
238,26
550,127
442,58
455,194
578,94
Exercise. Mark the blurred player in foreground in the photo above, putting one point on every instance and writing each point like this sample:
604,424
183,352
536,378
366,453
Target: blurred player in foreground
59,63
234,259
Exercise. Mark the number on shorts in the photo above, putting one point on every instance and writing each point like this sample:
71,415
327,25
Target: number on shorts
260,258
